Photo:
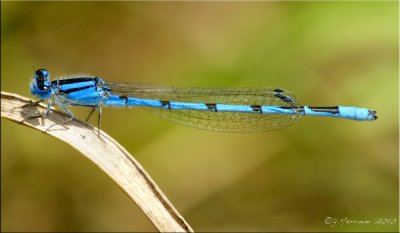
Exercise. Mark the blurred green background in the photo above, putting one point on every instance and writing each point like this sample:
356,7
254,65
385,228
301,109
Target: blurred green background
327,53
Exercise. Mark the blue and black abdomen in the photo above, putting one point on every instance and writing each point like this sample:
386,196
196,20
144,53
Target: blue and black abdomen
226,109
218,109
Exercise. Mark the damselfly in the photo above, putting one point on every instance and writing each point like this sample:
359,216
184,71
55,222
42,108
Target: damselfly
252,109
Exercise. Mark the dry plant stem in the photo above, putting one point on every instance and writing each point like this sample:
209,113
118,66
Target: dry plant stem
106,153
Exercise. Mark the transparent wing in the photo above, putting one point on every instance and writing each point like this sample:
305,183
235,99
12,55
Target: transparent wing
217,121
155,91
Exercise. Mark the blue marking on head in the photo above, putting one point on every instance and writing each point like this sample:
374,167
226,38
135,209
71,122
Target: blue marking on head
40,85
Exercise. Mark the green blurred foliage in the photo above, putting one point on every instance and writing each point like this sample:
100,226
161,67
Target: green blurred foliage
328,53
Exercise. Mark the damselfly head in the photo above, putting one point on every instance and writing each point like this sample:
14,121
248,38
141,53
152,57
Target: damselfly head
40,85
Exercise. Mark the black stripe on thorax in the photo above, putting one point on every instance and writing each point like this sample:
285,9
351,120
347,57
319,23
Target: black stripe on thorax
68,91
75,80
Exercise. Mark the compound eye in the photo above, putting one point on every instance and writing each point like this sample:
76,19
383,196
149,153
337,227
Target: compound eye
41,75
